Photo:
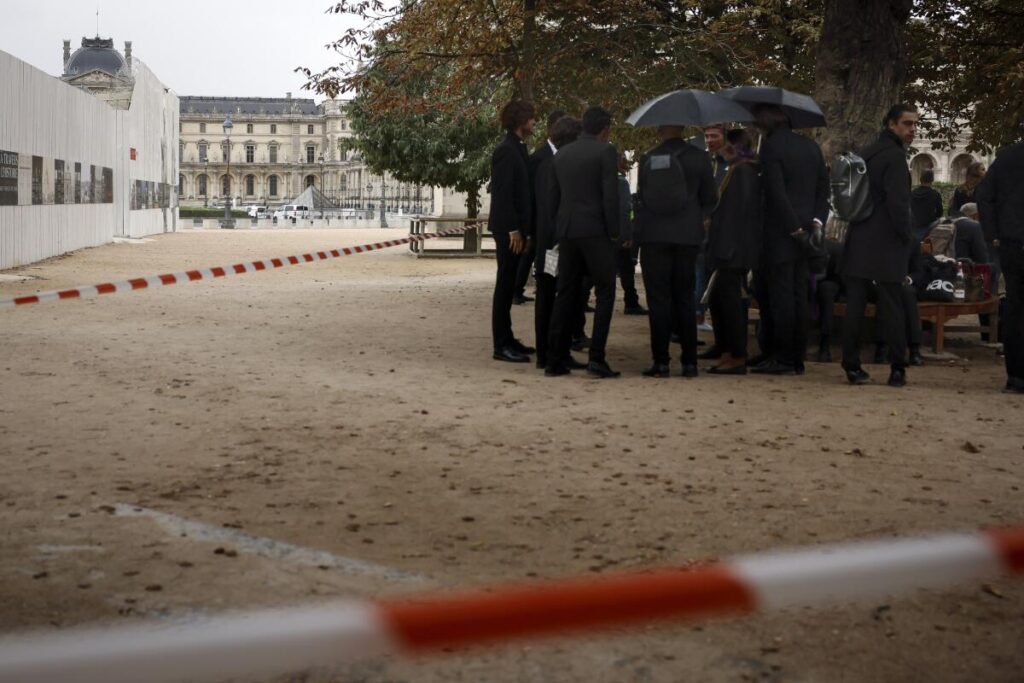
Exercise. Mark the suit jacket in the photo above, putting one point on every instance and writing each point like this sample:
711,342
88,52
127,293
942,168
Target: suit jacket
1001,196
585,187
686,227
876,248
734,240
546,209
970,241
511,203
797,191
538,157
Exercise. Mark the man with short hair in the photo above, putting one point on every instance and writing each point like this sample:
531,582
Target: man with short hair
925,204
509,221
877,248
1001,203
585,190
970,240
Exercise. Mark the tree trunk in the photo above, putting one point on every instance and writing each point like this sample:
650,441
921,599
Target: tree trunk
861,67
528,52
473,202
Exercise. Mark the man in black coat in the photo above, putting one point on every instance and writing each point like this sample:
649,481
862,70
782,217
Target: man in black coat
1001,202
925,204
509,222
670,240
797,189
876,248
970,239
586,191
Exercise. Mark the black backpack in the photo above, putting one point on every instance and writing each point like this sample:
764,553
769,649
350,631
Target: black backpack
851,190
663,184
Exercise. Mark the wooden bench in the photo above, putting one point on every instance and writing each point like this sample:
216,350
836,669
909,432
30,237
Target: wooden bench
939,314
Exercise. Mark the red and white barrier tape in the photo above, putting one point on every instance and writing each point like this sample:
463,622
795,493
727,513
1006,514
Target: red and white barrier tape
269,642
211,273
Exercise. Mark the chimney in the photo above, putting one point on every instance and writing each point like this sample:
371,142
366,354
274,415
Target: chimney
128,53
67,51
288,95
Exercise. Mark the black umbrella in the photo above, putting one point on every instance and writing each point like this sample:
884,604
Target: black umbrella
803,112
687,108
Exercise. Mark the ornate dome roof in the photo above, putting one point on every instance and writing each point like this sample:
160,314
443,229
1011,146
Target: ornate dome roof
95,54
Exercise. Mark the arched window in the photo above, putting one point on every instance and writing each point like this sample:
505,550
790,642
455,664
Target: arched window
202,180
250,185
272,183
920,164
310,180
958,170
225,185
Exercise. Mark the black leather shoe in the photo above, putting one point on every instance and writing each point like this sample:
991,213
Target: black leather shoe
635,310
601,369
857,376
881,355
738,370
824,355
1014,386
510,355
759,359
711,353
916,359
897,377
556,370
574,364
520,299
657,370
689,371
773,367
799,369
581,343
520,347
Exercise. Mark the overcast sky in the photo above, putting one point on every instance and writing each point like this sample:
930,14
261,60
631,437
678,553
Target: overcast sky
212,47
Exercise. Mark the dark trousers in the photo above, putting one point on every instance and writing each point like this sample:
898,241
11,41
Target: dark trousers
542,309
726,304
788,285
596,256
765,322
670,278
504,291
525,266
1011,258
889,318
626,259
908,300
827,295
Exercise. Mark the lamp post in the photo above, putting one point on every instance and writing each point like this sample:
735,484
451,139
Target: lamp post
323,185
366,204
383,219
228,221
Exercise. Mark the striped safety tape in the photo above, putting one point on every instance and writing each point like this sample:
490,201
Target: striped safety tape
264,643
219,271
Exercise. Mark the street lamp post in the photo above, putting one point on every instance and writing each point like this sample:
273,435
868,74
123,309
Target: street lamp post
323,185
228,221
383,219
366,204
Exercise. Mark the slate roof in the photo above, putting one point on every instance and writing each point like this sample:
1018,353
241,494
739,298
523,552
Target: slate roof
95,54
249,105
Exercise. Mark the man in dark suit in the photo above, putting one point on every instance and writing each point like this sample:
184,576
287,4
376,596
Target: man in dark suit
876,248
509,222
585,189
670,234
1001,202
797,189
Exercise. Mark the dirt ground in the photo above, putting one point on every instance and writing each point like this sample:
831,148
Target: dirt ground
339,429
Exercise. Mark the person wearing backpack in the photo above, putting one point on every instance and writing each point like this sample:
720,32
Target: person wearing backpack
876,247
677,191
796,187
1001,204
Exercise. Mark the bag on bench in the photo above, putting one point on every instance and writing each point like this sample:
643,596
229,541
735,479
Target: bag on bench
939,280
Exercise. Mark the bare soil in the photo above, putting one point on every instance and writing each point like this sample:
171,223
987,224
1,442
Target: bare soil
351,408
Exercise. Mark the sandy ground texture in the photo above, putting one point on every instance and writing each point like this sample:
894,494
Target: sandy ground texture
339,429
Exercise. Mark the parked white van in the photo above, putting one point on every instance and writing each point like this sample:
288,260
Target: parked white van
258,212
292,211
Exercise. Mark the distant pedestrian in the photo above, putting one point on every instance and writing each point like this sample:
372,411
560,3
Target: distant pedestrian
965,192
925,204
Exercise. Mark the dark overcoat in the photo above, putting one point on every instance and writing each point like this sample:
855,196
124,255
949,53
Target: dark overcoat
687,226
734,240
876,248
796,188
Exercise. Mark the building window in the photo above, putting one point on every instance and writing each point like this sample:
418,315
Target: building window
181,186
273,154
225,185
202,185
344,125
250,185
310,154
310,181
248,128
309,129
225,151
202,152
250,153
273,129
181,150
273,185
202,127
